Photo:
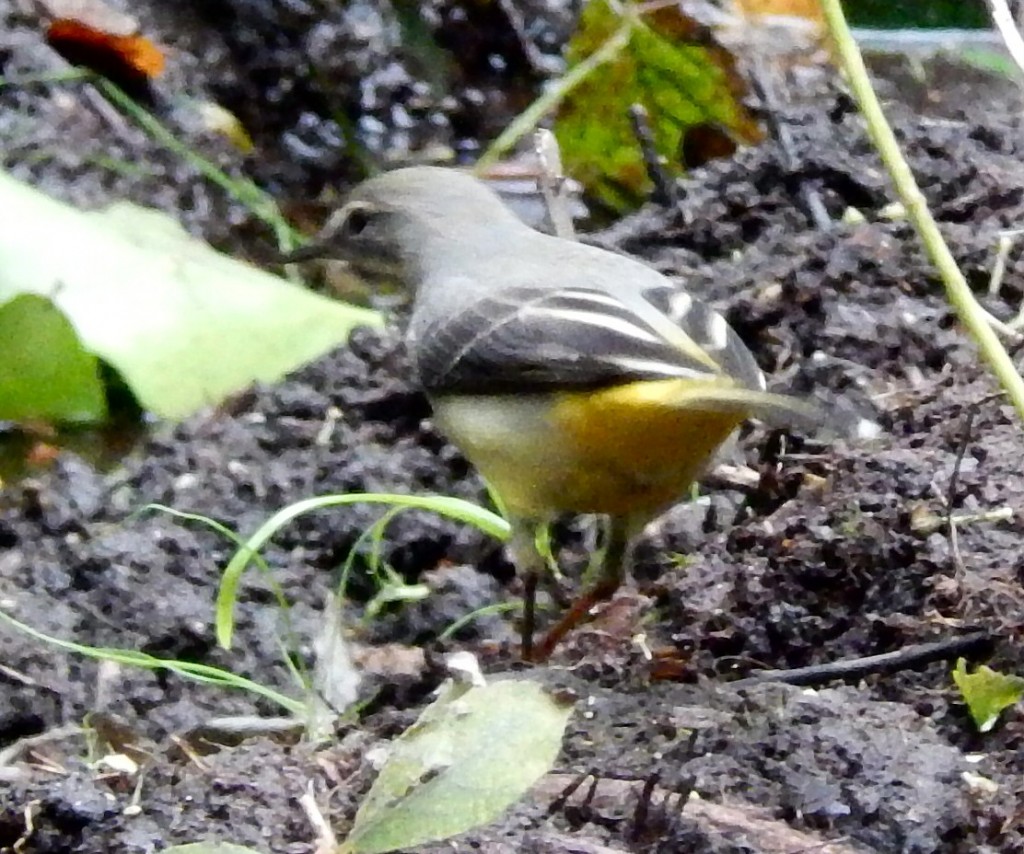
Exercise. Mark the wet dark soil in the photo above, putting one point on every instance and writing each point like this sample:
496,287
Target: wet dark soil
831,554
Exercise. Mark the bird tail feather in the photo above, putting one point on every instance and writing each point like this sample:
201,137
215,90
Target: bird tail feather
833,418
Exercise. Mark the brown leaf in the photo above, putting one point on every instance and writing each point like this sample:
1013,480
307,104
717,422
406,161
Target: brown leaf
113,56
808,9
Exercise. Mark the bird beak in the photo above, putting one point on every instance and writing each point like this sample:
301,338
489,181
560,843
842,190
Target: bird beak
309,252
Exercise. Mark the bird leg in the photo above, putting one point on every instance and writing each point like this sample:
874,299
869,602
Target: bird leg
529,620
609,579
529,564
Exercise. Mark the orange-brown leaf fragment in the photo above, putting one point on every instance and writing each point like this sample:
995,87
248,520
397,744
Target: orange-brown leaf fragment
42,454
809,9
110,55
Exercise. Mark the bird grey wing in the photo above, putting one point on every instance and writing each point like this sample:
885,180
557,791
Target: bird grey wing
534,339
710,331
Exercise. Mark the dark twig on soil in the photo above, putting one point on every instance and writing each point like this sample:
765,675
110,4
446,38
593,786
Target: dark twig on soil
651,813
954,482
643,805
665,191
571,787
975,643
759,830
539,62
810,198
954,479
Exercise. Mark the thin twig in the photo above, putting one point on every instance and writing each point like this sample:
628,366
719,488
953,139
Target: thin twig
1009,331
540,63
953,520
931,524
814,207
665,193
12,752
959,294
758,828
886,662
954,482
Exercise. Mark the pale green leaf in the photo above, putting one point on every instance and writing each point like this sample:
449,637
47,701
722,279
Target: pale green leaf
182,324
44,371
987,692
210,848
471,755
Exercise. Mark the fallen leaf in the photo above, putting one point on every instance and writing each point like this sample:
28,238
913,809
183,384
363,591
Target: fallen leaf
113,56
183,325
45,372
987,693
471,754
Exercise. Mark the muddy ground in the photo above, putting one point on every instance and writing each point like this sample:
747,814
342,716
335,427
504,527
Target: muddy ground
829,556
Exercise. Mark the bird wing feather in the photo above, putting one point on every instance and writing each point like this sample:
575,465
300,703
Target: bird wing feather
527,339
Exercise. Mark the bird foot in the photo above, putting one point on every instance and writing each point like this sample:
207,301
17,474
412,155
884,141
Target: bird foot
578,613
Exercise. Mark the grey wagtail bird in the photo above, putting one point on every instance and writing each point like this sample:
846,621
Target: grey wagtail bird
552,365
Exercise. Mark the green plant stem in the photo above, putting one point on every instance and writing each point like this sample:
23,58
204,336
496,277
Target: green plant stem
971,314
244,191
496,608
453,508
527,120
290,644
203,673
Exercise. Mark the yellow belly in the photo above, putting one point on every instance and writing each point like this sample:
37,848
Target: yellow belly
628,450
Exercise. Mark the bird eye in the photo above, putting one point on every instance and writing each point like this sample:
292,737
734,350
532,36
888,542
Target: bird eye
357,221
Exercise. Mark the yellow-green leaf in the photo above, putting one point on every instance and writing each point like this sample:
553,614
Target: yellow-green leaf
668,66
987,692
45,373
